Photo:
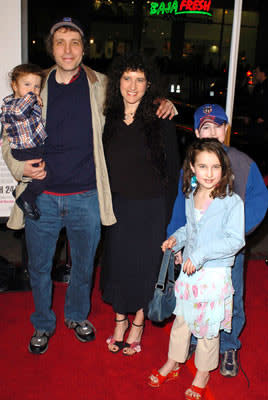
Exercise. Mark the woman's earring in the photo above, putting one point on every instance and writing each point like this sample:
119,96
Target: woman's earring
193,182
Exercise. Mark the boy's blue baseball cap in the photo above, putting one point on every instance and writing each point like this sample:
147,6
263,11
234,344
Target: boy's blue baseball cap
209,113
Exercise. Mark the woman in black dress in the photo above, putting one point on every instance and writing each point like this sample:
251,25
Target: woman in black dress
143,164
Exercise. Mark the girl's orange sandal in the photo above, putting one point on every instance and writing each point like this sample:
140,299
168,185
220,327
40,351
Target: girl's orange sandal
195,393
156,379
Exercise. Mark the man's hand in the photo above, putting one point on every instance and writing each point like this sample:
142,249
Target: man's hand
35,172
166,109
168,244
189,267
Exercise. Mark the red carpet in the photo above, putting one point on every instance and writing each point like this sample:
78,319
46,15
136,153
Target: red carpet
74,370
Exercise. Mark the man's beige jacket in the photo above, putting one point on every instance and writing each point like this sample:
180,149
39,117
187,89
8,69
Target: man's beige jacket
97,86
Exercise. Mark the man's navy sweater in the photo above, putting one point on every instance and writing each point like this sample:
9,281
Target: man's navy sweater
69,145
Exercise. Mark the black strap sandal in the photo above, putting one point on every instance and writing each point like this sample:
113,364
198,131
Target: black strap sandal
119,344
135,346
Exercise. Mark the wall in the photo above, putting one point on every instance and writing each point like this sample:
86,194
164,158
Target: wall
10,50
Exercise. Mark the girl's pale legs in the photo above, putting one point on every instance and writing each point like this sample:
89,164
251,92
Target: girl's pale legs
206,354
207,350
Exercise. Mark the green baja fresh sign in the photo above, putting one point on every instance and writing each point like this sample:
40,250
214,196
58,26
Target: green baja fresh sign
181,7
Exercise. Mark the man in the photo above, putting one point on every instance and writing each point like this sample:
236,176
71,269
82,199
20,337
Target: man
79,196
260,93
258,128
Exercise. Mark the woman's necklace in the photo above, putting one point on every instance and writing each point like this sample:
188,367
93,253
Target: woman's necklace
129,116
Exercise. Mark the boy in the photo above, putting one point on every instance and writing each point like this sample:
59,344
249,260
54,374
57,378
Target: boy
210,121
21,118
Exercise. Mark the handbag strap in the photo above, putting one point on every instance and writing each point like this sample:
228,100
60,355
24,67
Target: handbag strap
167,265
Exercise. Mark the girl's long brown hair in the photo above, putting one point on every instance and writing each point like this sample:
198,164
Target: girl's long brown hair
225,186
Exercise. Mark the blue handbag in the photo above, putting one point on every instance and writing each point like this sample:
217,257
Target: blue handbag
164,301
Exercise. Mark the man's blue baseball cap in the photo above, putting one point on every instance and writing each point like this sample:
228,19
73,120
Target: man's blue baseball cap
209,113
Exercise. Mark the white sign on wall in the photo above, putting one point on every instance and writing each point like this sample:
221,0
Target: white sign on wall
7,185
10,49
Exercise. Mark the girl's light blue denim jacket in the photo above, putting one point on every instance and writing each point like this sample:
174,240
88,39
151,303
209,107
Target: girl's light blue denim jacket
217,237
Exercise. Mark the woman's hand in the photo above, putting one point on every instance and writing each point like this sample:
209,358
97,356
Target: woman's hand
166,109
168,244
35,172
189,267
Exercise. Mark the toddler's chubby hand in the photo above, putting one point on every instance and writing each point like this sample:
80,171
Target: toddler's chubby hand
168,244
39,101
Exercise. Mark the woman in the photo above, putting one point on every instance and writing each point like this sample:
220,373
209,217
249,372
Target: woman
143,165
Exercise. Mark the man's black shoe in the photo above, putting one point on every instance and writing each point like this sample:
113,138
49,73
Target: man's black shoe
29,210
39,342
84,331
229,364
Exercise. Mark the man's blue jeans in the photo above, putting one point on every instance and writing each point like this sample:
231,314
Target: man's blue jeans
229,341
79,213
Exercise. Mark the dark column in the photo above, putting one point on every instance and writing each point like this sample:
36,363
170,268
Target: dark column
137,24
262,43
177,39
221,38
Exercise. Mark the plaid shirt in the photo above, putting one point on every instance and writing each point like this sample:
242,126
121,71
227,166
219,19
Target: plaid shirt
22,120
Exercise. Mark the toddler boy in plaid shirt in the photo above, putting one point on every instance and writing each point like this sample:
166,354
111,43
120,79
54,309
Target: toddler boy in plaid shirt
21,117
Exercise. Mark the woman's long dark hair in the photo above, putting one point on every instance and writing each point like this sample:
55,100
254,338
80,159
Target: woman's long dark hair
146,111
225,186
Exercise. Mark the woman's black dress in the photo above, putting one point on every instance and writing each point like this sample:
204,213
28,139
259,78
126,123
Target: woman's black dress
142,206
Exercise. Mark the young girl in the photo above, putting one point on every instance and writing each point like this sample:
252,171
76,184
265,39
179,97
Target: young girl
213,234
22,119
